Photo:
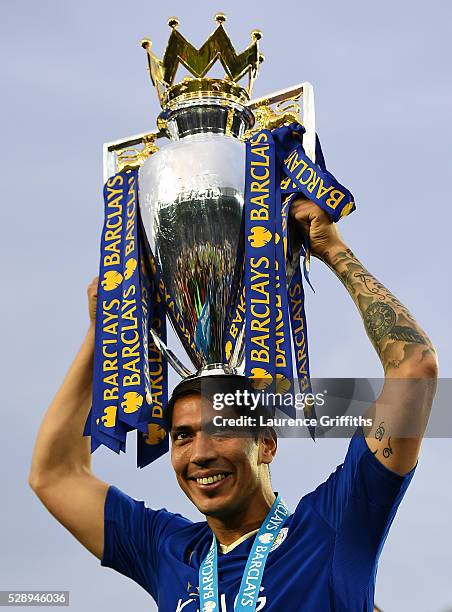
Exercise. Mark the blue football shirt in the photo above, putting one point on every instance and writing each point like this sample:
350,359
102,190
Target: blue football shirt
325,557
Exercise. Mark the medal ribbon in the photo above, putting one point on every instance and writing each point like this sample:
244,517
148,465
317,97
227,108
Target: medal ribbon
254,570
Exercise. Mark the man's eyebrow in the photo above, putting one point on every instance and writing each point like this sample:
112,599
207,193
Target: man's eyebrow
181,428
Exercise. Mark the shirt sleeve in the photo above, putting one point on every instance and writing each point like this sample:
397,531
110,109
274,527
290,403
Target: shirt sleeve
359,501
133,535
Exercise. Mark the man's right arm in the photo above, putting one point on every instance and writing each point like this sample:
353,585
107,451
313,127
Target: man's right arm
60,473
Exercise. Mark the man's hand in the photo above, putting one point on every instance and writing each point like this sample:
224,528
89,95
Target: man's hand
407,355
92,299
322,232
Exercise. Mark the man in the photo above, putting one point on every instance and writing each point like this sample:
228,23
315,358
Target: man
325,556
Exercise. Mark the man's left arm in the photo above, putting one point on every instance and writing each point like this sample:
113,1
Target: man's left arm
407,355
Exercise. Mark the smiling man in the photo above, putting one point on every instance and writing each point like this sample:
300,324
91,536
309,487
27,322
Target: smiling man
251,549
215,466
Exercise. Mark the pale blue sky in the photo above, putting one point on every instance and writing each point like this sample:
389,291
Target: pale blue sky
73,77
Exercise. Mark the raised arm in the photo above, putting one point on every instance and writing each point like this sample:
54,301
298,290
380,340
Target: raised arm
406,353
61,473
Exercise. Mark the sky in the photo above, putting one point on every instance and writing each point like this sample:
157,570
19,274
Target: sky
74,77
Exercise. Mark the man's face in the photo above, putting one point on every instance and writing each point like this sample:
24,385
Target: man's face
237,465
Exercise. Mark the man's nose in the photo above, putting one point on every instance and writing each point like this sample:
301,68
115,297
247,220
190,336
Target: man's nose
203,449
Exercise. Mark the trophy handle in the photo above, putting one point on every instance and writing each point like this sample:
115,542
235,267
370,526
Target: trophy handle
178,366
303,91
112,152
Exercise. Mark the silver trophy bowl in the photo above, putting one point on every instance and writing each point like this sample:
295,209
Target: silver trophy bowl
191,196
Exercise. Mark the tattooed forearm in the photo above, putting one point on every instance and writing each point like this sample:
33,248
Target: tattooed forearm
397,338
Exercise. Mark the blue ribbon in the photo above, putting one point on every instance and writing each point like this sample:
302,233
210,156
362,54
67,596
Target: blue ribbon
300,340
154,442
127,393
133,381
311,179
254,570
266,220
260,262
283,350
102,420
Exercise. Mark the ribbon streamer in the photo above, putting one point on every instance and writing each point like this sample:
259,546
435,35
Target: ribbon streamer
260,261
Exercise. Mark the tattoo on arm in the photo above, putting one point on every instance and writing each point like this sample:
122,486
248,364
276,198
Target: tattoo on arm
380,432
387,451
393,331
379,435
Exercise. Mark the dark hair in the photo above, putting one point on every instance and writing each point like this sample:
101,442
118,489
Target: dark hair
207,386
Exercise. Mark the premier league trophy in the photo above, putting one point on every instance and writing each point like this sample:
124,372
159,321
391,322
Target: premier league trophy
197,230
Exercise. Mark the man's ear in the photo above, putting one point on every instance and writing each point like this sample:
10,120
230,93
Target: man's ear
268,444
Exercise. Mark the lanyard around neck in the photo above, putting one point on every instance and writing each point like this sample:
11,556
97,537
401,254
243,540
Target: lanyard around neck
254,569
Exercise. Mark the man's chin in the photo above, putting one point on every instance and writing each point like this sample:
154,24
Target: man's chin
212,503
218,508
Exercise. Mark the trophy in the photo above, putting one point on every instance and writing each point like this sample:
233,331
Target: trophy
212,186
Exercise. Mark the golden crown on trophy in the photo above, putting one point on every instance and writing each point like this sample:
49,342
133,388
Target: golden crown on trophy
267,112
218,47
